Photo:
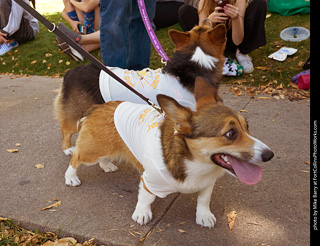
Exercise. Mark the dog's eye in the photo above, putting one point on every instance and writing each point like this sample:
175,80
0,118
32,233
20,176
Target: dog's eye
231,135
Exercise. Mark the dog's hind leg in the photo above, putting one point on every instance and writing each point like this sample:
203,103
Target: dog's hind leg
67,131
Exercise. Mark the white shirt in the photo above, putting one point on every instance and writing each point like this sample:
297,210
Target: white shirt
15,17
148,82
138,126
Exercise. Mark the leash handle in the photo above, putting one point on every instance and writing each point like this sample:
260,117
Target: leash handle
52,28
152,35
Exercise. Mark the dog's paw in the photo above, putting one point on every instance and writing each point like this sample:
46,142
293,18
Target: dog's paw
73,181
142,217
206,219
108,167
69,151
71,177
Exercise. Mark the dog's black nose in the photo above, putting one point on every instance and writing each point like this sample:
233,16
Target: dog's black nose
267,155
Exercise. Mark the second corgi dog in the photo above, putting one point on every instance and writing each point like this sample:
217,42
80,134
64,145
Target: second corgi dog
184,151
198,52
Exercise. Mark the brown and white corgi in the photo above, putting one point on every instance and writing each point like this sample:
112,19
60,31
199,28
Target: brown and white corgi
184,151
198,52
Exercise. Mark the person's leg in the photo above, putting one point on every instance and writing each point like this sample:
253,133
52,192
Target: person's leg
166,14
254,33
89,21
114,32
254,30
139,41
24,33
70,10
188,17
5,9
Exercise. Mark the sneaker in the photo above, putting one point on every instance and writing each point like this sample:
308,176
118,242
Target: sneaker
245,61
6,47
66,48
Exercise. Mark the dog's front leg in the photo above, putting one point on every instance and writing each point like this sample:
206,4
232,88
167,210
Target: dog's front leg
204,217
143,214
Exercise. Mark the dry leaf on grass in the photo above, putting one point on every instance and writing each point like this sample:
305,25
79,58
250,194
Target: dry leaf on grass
231,219
51,206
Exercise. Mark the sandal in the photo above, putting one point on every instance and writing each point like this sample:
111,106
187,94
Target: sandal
66,48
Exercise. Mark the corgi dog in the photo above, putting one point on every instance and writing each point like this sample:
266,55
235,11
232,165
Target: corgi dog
184,151
198,52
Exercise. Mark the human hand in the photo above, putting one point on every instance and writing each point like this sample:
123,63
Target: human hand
3,38
232,11
218,17
74,26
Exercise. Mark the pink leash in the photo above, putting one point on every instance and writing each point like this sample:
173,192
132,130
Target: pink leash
152,35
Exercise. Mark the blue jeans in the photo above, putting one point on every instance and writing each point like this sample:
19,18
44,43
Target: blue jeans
124,41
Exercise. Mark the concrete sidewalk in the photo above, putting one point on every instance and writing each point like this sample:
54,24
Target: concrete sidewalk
273,212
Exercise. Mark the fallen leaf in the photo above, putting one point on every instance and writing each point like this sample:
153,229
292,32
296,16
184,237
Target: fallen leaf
243,110
307,162
48,54
263,97
182,231
3,219
67,241
263,68
231,219
12,150
67,63
33,62
294,85
18,144
51,206
36,98
39,166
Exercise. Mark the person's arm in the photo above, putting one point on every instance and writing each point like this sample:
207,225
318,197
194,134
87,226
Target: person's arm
237,13
215,17
86,5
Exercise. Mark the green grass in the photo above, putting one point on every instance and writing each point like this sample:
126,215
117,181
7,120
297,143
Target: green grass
43,57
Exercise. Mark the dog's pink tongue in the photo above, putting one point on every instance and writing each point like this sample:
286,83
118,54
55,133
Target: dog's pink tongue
247,173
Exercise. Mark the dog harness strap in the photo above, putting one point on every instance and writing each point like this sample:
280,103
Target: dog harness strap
52,28
155,41
145,187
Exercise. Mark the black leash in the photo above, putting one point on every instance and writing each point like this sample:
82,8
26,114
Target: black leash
52,28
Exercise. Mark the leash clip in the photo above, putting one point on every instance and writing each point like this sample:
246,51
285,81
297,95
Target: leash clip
54,28
156,107
164,62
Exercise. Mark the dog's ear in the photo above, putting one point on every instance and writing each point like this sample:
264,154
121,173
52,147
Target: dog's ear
205,93
179,38
180,115
218,34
